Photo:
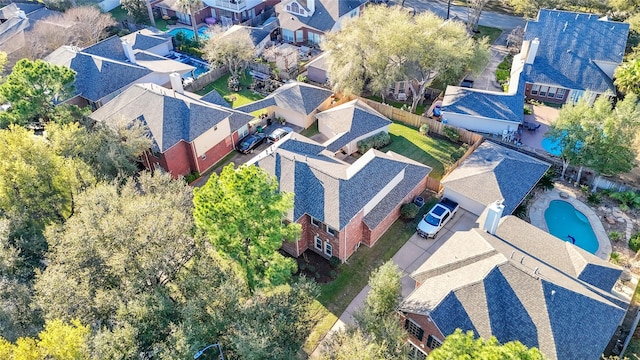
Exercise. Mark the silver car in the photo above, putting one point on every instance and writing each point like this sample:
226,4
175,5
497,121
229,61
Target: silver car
278,134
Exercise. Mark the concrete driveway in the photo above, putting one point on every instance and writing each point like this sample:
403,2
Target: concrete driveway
408,259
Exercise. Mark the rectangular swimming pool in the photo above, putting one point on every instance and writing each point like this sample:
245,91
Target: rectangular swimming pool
188,33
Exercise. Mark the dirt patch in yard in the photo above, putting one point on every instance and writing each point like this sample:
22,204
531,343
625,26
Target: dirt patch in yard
314,266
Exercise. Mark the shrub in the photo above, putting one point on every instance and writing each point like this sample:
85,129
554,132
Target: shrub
191,177
594,198
615,257
451,133
502,76
615,236
303,266
376,141
527,111
628,198
333,274
311,268
409,211
458,153
634,242
302,78
335,262
317,276
424,129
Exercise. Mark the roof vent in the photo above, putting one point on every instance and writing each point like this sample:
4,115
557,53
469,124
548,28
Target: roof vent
535,270
553,292
565,25
522,260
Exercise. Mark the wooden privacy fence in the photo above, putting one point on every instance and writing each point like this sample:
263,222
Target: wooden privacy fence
206,78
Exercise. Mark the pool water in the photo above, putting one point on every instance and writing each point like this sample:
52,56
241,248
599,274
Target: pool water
563,220
189,32
552,147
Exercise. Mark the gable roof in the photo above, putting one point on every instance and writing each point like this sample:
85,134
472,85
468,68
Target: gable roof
295,96
484,283
325,16
333,191
570,45
488,104
170,116
504,174
146,39
215,98
350,121
257,35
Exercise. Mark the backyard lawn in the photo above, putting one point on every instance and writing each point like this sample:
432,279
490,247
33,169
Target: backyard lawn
419,109
490,32
353,276
236,99
433,152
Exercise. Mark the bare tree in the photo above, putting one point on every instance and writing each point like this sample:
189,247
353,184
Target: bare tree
89,24
515,37
475,10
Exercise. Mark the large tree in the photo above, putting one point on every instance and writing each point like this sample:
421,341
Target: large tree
386,45
191,7
139,10
242,213
34,88
465,346
233,50
627,76
58,340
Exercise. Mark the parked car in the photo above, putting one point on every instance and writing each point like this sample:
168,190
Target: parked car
468,83
437,218
248,143
278,134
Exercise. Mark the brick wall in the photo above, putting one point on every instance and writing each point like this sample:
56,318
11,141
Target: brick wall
427,325
216,153
178,159
375,234
353,232
527,93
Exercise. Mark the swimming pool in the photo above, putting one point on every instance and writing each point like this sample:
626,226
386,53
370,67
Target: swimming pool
563,220
189,32
552,147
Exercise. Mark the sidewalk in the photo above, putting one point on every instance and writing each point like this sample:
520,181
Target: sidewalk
408,259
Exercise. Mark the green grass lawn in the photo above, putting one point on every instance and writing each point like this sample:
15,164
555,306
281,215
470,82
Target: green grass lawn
490,32
419,109
430,151
493,6
121,14
311,130
353,276
236,99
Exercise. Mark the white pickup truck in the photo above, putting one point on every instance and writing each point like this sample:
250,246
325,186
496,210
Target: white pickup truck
437,218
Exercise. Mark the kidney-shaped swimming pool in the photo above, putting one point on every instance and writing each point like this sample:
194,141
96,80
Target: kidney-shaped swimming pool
567,223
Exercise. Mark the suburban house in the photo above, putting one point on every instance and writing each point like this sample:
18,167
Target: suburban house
295,102
341,205
109,67
346,124
307,21
514,281
16,19
227,12
170,8
150,40
260,36
568,53
317,69
505,175
189,134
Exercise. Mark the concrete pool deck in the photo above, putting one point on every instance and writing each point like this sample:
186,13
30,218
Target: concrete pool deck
559,192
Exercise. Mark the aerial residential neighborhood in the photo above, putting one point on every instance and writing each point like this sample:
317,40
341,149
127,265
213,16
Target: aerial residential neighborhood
319,179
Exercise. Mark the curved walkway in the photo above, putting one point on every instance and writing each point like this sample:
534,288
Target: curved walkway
537,209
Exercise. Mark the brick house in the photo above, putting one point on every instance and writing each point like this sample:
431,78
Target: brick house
307,21
515,282
341,205
189,133
567,53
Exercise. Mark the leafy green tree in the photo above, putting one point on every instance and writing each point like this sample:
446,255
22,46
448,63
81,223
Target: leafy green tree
123,243
34,88
241,212
404,48
465,346
233,50
3,63
110,151
627,76
352,344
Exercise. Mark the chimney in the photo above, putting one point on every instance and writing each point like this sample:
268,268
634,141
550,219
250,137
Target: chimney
494,213
21,14
128,51
176,82
533,51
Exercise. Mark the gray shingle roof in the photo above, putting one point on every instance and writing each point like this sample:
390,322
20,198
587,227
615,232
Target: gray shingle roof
215,98
109,48
352,120
333,191
492,286
504,174
96,77
170,116
325,16
570,45
296,96
146,39
489,104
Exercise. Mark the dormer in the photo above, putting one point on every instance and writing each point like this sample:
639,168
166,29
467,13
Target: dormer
301,7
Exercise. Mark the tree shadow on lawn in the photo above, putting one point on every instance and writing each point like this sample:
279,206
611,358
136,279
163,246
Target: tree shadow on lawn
407,147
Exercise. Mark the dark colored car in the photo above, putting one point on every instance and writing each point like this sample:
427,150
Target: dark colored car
278,134
248,143
468,83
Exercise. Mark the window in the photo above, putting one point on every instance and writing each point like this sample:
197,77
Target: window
301,11
287,35
543,90
535,89
288,7
433,342
328,249
332,231
299,36
552,92
401,87
204,157
295,8
316,222
560,94
416,354
413,329
318,242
